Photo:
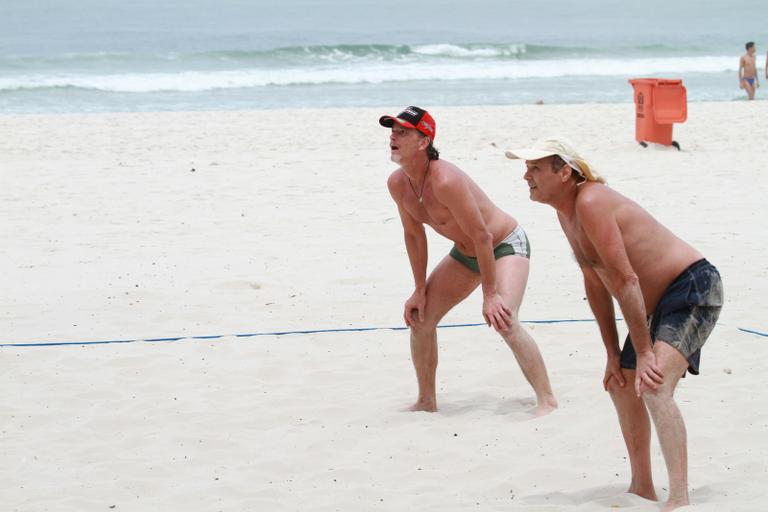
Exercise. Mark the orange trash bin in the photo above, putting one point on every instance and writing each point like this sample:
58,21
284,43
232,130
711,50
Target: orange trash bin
659,103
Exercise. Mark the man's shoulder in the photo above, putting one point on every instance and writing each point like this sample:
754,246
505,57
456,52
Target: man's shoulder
396,176
443,165
592,193
596,199
395,180
445,173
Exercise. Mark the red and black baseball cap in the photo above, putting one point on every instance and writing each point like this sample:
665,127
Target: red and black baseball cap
412,117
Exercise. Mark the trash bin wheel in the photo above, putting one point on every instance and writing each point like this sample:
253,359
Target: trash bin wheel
676,144
643,143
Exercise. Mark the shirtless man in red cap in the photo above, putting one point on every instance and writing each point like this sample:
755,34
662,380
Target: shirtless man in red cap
490,249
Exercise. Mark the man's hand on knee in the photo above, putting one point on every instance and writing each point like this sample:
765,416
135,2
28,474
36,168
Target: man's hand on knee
496,313
415,307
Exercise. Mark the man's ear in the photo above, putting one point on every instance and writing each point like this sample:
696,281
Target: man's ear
424,142
566,172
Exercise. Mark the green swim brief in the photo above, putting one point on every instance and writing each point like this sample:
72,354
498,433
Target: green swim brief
515,243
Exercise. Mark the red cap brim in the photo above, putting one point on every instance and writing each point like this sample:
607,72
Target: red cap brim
388,121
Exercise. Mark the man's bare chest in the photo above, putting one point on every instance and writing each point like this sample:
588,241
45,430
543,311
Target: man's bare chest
431,212
583,249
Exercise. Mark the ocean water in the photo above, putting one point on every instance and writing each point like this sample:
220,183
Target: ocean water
167,55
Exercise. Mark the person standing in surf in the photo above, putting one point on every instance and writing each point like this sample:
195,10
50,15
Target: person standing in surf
748,71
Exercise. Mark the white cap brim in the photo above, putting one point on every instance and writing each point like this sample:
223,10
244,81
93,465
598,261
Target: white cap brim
528,154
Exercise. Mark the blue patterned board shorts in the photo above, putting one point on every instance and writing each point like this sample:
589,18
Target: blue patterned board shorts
685,315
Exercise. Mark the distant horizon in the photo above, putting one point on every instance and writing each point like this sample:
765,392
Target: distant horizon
91,56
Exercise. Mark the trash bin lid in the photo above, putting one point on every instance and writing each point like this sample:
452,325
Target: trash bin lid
656,81
670,102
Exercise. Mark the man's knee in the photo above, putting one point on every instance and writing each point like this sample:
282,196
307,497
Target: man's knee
626,393
615,390
660,397
513,328
427,326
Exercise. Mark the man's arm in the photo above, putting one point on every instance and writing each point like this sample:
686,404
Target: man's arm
757,74
599,224
452,190
601,303
416,247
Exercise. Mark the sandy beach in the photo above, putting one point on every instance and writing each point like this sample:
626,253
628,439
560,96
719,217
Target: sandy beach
219,229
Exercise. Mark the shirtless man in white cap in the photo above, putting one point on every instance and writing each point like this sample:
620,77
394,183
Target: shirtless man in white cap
669,295
491,249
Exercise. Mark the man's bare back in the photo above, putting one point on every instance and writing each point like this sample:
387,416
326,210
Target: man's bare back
656,255
432,212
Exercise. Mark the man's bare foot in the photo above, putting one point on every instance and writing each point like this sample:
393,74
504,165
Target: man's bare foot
674,505
648,493
424,405
543,410
544,407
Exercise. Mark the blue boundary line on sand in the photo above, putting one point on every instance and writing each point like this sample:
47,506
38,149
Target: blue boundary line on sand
750,331
274,333
285,333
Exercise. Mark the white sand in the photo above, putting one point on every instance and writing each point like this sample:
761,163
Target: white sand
286,225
